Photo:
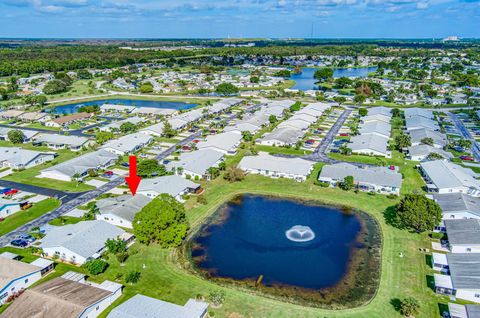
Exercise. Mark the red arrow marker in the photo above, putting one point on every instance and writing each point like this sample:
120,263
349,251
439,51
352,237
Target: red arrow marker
133,180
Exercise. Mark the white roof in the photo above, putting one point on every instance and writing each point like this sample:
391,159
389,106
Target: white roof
418,112
444,281
128,143
439,258
264,161
369,142
74,141
173,185
19,156
197,161
445,174
124,206
224,141
381,110
286,135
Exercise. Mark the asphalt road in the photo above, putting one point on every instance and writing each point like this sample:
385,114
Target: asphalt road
466,134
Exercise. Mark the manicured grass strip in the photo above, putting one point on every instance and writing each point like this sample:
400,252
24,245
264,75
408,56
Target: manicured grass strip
22,217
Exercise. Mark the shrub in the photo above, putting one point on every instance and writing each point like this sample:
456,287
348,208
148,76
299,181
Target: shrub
201,199
96,266
132,277
216,297
122,257
409,307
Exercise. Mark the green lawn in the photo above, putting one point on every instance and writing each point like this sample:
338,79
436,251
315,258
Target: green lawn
28,176
65,220
281,150
22,217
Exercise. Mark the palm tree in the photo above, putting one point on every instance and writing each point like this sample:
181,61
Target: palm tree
76,177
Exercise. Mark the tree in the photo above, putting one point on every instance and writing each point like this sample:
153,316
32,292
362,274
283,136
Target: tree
344,150
83,74
146,88
427,141
409,307
417,212
128,127
347,183
41,100
340,99
132,277
16,136
217,297
434,156
272,119
247,135
296,107
96,266
360,98
343,82
254,79
403,141
54,87
103,136
116,246
150,168
226,89
363,112
323,74
233,174
168,131
161,221
396,112
282,73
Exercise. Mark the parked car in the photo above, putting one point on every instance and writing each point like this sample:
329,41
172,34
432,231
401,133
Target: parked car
467,158
11,192
335,150
458,148
19,243
27,237
124,164
5,190
344,135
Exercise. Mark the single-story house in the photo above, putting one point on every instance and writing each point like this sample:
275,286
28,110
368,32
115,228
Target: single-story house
381,110
227,142
117,124
142,306
371,179
67,120
422,152
66,297
282,137
463,235
464,279
412,123
16,275
195,164
370,144
11,113
443,176
80,242
56,141
417,135
121,210
463,311
378,128
19,158
127,144
9,207
28,133
35,116
456,206
174,185
79,166
376,118
418,112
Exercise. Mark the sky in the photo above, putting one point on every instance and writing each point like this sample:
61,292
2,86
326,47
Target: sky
239,18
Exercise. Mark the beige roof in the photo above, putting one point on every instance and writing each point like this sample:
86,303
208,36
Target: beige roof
32,116
11,269
11,113
65,119
58,297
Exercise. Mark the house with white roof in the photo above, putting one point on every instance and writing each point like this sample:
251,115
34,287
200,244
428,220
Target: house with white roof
174,185
114,126
422,152
79,166
463,311
29,134
369,178
277,167
227,142
378,128
418,112
68,296
376,118
9,207
17,276
457,206
412,123
140,306
463,235
417,135
442,176
370,144
19,158
195,164
121,210
381,110
464,279
128,144
56,141
282,137
80,242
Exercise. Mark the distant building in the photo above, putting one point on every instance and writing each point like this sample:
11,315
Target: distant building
67,120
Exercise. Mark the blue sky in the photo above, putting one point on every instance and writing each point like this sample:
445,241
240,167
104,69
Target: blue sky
239,18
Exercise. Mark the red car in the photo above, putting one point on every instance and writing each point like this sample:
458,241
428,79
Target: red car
343,135
108,173
11,192
196,141
467,158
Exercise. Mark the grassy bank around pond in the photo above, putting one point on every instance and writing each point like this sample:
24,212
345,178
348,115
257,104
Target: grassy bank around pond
403,271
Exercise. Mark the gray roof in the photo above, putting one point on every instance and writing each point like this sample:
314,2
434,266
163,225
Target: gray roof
464,270
74,141
445,174
381,176
369,142
224,141
19,156
27,133
381,110
420,122
140,306
265,161
197,161
418,112
473,311
84,238
285,135
128,143
418,134
82,164
375,127
173,185
464,231
425,150
124,206
457,203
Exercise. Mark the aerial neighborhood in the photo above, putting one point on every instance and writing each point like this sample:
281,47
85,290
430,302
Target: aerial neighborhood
266,178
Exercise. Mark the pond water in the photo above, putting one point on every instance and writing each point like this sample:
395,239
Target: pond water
305,81
73,108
